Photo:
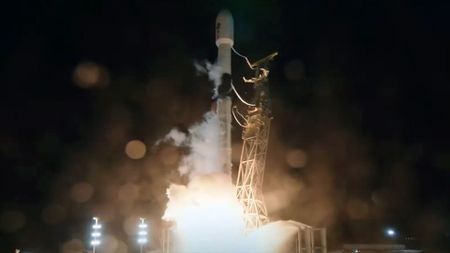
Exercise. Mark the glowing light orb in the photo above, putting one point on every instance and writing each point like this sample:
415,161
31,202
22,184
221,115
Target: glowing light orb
390,232
90,75
135,149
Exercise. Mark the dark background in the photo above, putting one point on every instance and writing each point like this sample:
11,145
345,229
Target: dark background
360,87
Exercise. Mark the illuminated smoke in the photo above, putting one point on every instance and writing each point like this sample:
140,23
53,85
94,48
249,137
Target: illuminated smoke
205,145
296,158
214,73
206,212
176,136
274,237
207,215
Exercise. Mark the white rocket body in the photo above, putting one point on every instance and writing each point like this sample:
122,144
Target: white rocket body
224,42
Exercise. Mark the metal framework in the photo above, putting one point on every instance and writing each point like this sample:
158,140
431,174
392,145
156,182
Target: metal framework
309,239
251,170
255,138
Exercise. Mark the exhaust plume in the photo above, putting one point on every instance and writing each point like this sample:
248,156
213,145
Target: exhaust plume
206,212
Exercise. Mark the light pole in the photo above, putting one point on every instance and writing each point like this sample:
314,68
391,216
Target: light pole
96,234
142,234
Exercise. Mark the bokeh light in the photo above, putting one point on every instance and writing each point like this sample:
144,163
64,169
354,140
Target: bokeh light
135,149
81,192
90,75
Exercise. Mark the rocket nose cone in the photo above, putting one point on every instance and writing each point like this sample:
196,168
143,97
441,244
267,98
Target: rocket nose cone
225,14
224,28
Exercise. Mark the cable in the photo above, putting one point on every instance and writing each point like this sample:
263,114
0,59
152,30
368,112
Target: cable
240,98
243,56
235,118
238,113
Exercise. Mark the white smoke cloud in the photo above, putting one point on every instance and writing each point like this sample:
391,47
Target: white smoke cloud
207,214
214,73
176,136
278,236
205,145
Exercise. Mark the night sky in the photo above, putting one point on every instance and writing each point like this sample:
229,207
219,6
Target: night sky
360,90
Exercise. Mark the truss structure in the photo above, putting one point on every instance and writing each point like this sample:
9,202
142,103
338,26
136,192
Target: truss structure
255,138
251,170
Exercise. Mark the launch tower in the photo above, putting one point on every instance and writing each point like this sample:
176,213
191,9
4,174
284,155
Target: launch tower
255,136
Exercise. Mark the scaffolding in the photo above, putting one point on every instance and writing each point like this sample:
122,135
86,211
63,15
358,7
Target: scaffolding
251,170
255,137
309,239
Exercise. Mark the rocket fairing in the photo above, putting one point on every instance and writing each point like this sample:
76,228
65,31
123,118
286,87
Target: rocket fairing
224,28
224,42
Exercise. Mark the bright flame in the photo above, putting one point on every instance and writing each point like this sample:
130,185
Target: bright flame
207,214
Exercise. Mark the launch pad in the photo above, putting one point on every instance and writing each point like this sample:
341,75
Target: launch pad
259,234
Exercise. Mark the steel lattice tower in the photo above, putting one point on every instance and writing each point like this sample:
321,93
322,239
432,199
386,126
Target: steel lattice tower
255,138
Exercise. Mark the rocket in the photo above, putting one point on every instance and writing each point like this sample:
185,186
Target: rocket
224,42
